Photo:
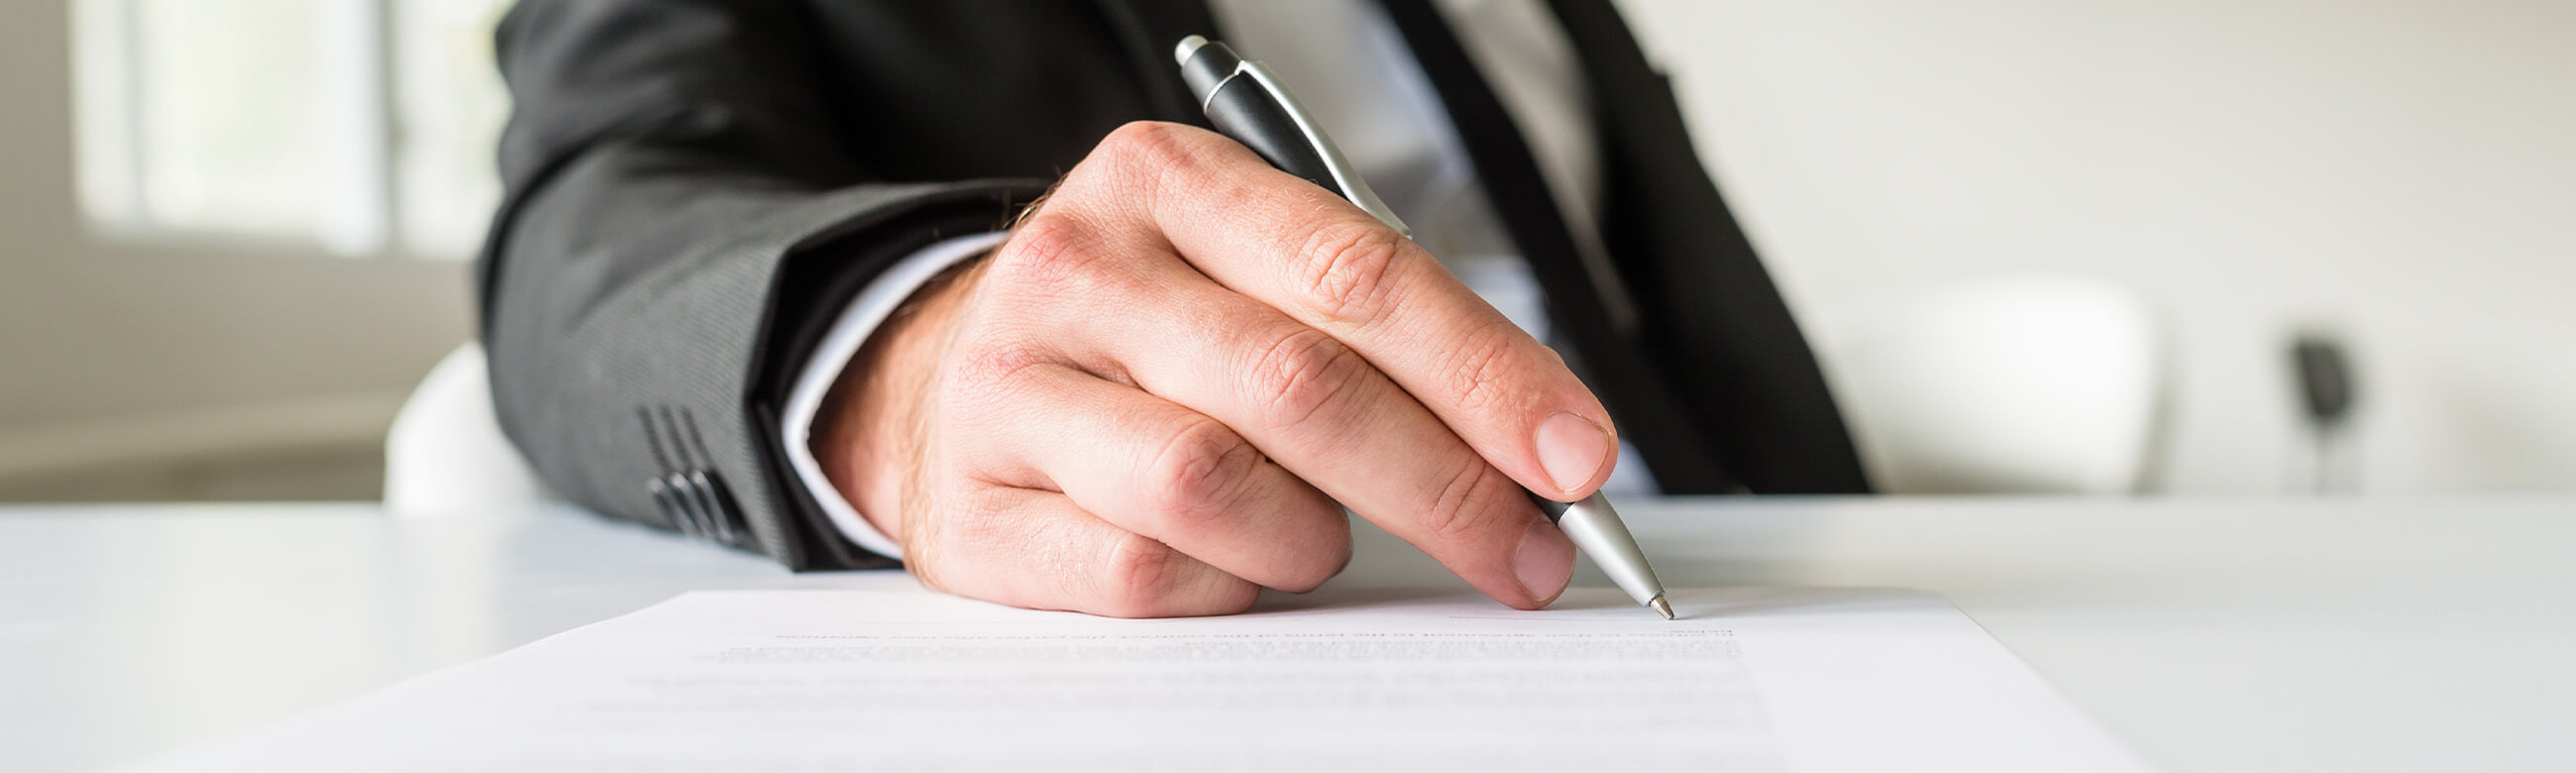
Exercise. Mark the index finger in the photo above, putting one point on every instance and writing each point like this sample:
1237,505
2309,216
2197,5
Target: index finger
1328,264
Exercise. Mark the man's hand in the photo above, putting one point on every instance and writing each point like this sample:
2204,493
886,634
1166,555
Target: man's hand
1149,399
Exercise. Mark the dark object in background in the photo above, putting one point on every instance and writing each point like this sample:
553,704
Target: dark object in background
2324,380
2326,389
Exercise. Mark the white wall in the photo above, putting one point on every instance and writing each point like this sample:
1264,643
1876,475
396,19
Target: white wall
2404,172
136,346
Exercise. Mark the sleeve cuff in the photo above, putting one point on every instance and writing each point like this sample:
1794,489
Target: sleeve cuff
858,321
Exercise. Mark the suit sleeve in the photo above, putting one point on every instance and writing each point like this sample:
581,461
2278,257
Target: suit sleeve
680,220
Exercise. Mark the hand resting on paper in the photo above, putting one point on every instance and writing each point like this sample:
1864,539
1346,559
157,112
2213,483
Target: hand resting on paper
1149,399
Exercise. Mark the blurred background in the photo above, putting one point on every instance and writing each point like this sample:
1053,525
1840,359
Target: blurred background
237,233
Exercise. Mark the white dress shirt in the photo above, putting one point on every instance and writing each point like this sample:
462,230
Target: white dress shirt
1349,67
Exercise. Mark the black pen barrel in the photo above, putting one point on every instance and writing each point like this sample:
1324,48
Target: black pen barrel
1243,108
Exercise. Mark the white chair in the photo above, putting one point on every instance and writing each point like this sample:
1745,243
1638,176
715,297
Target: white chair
2024,385
2007,385
445,453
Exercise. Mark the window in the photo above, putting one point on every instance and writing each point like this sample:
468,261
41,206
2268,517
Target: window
362,127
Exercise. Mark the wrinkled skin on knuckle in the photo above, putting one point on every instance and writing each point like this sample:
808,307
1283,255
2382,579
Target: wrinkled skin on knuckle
1303,372
1139,155
983,370
1199,475
1057,268
1137,577
1481,373
1344,271
1049,250
1465,502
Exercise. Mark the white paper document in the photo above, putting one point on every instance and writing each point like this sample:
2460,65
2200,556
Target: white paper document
1747,679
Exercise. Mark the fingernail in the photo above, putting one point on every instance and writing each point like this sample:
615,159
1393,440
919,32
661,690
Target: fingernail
1571,450
1545,561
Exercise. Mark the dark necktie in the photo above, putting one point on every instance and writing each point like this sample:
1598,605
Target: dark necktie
1728,339
1638,396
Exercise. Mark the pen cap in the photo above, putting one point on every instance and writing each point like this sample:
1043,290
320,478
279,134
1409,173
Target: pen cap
1245,102
1204,64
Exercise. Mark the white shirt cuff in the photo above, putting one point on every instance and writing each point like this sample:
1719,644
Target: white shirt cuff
858,321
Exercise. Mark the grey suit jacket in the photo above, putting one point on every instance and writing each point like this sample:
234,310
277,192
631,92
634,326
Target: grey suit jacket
694,188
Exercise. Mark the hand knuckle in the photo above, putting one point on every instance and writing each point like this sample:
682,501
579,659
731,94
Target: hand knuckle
1481,373
1460,507
1046,250
1345,271
986,367
1149,147
1199,474
1303,372
1137,576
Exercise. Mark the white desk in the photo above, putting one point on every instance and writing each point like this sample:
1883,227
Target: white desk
2215,635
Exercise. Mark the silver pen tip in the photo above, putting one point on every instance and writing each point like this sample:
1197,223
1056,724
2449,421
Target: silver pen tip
1661,607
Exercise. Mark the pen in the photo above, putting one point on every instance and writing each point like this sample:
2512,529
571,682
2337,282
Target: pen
1246,103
